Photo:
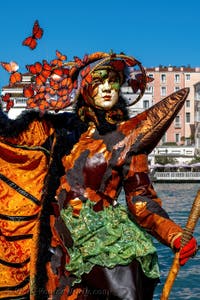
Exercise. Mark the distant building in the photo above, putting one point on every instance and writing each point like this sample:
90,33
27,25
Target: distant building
16,92
144,103
166,81
197,116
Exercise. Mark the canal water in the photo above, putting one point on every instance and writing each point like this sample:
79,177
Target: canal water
177,200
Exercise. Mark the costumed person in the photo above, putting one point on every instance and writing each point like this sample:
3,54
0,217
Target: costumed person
64,233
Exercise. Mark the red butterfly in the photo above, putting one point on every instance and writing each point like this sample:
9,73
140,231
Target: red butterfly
57,74
28,91
140,77
35,69
12,68
47,67
41,72
31,103
61,103
86,75
62,92
131,62
9,102
135,84
50,91
54,84
37,33
60,58
66,82
39,103
78,61
119,65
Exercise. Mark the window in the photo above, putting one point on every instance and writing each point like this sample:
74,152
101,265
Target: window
197,116
146,104
187,76
163,91
177,78
20,101
187,103
187,117
177,123
150,75
163,78
177,137
187,141
164,138
176,88
197,95
149,89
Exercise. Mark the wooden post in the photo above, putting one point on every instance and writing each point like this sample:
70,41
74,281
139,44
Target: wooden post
187,234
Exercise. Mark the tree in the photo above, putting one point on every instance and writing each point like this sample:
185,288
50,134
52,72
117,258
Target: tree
164,159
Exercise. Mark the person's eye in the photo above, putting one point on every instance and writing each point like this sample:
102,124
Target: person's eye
97,81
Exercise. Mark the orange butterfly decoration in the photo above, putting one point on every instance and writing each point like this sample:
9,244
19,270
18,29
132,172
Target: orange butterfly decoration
51,84
140,77
9,102
67,83
131,62
28,91
60,103
57,74
31,103
37,33
35,69
40,71
86,76
78,61
59,60
54,84
140,82
12,68
119,65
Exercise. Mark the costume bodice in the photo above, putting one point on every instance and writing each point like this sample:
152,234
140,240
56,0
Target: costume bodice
94,168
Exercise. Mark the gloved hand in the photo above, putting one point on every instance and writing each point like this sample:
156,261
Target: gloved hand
187,251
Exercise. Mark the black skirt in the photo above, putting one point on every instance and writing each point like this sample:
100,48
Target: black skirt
119,283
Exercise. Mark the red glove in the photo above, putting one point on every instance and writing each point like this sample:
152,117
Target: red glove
189,250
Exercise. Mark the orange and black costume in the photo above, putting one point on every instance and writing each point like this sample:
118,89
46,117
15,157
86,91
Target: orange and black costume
34,241
30,150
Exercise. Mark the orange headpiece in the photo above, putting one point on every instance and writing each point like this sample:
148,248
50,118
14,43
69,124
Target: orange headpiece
65,82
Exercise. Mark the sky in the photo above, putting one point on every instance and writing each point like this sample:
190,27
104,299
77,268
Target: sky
154,32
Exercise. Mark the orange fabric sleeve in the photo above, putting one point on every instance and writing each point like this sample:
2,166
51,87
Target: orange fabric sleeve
145,205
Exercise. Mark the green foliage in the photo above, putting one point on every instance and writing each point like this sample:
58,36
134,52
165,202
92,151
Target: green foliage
196,159
163,160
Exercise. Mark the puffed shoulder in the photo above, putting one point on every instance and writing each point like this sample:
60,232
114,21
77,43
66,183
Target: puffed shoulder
150,125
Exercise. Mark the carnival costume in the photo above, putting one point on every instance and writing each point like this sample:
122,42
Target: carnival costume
78,240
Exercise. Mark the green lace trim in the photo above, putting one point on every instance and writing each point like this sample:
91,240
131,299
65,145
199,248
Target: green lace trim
107,238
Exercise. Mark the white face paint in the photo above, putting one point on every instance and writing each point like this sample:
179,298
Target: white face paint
106,96
106,92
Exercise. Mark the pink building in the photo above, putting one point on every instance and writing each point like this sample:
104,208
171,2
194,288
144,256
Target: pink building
166,81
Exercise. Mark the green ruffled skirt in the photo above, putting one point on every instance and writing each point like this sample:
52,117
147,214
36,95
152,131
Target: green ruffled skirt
107,238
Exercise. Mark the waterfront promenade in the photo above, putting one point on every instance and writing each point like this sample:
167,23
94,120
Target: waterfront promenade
176,176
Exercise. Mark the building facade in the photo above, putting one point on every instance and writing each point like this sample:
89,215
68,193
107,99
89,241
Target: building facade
197,117
166,81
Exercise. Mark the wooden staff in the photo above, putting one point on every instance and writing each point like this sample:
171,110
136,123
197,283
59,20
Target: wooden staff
187,234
